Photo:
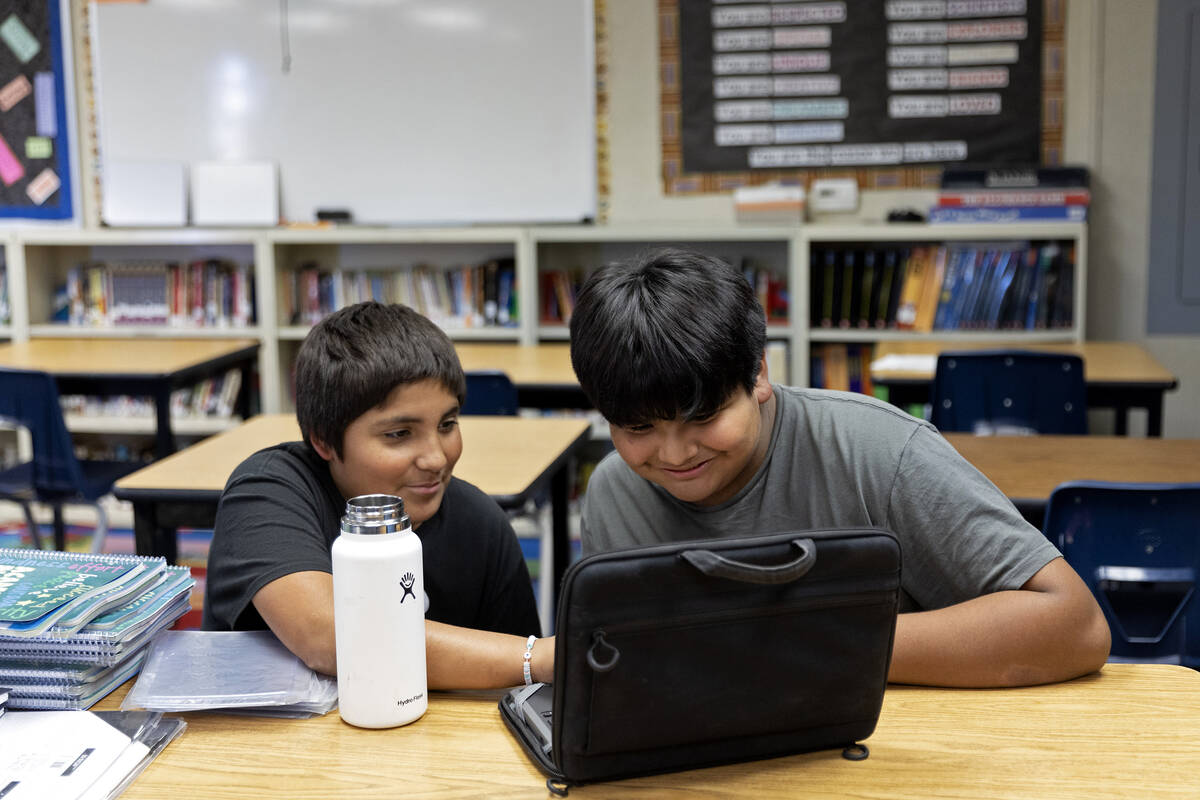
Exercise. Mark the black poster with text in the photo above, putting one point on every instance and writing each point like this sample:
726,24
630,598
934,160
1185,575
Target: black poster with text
860,83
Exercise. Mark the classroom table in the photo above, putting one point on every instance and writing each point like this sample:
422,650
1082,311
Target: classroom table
542,373
509,458
1128,731
140,367
1027,468
1119,375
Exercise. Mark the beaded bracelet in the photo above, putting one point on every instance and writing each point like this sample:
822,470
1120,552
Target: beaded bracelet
525,665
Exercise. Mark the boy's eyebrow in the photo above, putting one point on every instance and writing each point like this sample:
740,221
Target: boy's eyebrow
402,419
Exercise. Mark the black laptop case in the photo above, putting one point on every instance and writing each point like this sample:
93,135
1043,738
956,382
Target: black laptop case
707,652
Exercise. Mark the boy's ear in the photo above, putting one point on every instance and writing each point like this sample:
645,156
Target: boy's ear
323,450
762,383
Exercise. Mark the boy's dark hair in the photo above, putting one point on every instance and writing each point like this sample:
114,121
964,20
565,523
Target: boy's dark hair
352,359
667,334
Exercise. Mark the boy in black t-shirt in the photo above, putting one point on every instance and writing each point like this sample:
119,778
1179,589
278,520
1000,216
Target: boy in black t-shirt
378,391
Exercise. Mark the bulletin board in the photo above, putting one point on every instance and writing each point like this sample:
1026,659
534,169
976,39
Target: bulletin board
35,134
886,91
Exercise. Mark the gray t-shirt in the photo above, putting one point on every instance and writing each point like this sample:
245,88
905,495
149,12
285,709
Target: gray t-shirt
838,459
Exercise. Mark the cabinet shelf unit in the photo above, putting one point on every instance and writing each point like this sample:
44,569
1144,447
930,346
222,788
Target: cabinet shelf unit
37,261
830,244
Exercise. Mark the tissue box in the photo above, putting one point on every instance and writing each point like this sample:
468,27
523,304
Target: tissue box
770,204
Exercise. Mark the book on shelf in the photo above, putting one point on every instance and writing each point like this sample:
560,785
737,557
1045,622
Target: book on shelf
916,274
1013,198
1007,214
1014,177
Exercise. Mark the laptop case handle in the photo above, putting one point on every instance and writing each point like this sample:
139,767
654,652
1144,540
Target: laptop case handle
718,566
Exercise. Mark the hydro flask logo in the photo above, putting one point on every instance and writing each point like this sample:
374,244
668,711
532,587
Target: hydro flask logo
407,582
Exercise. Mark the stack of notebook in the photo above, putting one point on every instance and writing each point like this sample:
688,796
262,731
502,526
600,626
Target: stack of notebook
75,626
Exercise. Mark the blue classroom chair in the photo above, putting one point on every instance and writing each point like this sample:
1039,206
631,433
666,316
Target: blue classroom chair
490,392
1137,546
54,476
1009,391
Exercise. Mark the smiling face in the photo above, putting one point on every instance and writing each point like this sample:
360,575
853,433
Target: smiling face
406,446
704,461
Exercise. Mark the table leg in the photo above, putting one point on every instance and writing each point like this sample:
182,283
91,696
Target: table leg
151,539
1154,419
60,528
559,500
164,442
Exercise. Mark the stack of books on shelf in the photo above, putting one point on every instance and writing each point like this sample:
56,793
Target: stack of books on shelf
453,297
212,293
960,286
845,367
211,398
771,290
1006,194
557,292
74,626
559,287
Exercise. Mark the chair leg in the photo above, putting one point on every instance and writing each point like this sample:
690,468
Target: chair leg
60,527
101,529
35,533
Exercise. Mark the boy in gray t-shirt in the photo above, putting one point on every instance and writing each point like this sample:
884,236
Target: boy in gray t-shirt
670,349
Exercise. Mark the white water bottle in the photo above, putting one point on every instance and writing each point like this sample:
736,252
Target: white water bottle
379,614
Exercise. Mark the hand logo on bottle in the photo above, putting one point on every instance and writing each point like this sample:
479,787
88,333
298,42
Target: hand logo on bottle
407,582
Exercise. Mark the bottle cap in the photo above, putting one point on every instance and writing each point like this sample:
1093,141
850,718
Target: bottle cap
375,513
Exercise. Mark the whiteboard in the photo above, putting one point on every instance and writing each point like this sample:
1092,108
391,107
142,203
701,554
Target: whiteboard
400,111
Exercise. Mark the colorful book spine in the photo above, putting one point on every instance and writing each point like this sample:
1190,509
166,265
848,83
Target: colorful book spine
994,214
1006,198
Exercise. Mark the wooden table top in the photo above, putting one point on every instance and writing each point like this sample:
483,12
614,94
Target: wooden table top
1104,362
90,356
536,365
1029,467
489,460
1129,731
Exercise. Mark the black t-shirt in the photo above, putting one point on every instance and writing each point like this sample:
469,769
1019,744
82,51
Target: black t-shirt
280,513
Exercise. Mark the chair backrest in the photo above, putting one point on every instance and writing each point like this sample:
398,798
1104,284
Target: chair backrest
1009,391
1137,546
490,392
30,398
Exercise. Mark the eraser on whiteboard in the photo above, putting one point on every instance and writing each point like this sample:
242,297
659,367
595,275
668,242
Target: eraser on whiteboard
235,193
135,193
340,215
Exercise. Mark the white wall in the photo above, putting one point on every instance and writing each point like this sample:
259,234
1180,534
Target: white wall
1109,108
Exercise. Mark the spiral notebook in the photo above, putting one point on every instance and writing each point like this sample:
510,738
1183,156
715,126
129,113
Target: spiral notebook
40,589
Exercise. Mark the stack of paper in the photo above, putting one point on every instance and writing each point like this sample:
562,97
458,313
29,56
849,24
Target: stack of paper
78,754
248,672
75,626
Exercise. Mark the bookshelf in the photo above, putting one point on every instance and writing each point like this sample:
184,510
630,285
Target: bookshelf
37,261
